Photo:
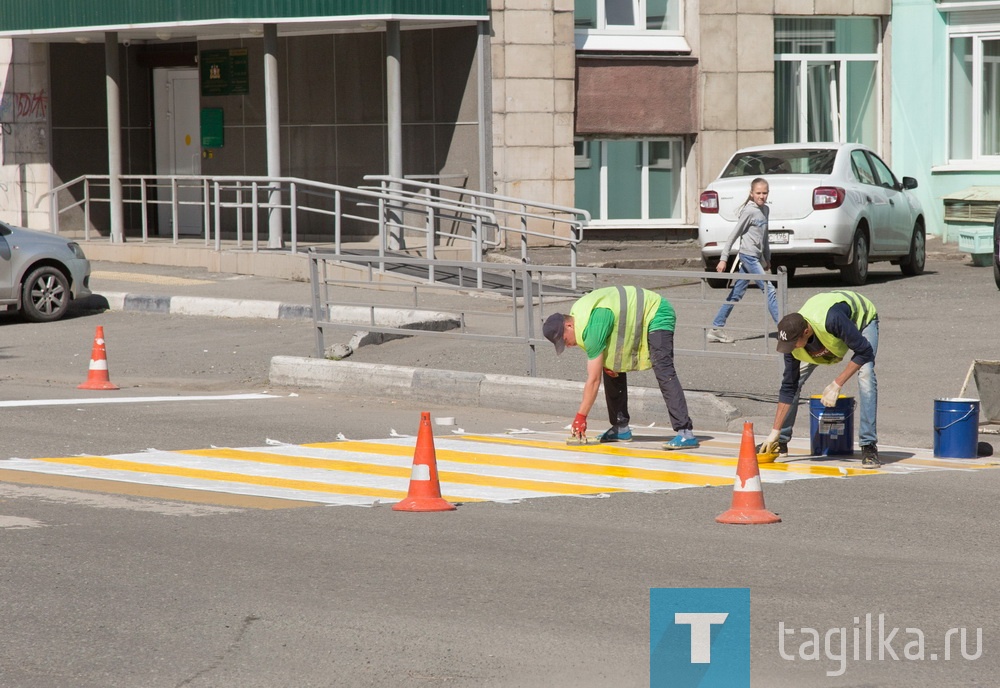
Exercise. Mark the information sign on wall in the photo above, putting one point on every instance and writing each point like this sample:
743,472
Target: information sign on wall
224,72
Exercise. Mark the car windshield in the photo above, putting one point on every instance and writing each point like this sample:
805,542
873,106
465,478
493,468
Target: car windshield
791,161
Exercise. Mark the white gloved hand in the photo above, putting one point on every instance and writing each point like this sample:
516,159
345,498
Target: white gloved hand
830,395
770,443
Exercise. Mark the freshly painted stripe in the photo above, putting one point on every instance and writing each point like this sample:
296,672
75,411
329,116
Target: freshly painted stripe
130,400
491,467
480,458
183,483
451,477
109,463
605,449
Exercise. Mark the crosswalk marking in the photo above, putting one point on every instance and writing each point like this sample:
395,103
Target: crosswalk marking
471,468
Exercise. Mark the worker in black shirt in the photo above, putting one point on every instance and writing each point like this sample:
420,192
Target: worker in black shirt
821,333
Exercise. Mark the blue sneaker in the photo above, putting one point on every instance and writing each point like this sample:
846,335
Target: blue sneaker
681,443
613,435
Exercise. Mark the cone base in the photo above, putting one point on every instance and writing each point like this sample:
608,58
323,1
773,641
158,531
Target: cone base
98,384
747,517
423,504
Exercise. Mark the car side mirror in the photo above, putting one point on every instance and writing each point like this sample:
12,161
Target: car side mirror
909,183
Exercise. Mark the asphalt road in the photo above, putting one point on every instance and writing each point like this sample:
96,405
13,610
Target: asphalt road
105,590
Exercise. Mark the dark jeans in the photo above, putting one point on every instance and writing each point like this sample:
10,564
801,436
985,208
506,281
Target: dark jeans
661,352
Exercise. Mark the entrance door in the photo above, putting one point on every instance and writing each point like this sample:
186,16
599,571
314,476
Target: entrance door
178,147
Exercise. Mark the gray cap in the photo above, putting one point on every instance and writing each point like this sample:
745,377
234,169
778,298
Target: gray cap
553,331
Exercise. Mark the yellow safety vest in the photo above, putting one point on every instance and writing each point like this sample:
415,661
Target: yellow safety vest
634,309
815,310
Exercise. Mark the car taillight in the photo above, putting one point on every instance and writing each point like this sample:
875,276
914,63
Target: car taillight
709,202
825,197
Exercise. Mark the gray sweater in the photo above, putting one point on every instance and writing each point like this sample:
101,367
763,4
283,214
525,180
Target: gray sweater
752,225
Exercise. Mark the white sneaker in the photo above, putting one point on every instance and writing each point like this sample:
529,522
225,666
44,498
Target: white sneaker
717,335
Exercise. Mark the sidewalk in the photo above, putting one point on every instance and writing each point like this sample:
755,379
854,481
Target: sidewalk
475,375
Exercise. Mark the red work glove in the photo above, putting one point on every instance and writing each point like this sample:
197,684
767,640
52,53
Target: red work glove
579,426
610,373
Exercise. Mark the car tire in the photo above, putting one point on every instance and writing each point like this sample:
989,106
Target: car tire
913,264
45,295
996,248
855,273
714,283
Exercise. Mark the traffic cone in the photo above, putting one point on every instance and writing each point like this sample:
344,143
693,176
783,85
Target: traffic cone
425,489
97,377
748,497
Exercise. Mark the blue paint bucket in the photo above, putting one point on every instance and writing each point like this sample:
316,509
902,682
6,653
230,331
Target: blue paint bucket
831,429
956,428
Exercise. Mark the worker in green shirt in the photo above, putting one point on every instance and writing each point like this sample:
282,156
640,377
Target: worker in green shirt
622,329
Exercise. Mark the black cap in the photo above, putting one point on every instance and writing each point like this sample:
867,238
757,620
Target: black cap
790,330
553,331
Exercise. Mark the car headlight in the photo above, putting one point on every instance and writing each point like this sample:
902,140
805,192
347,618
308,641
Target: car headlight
77,251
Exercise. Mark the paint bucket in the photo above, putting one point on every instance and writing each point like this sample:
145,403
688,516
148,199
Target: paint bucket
831,429
956,428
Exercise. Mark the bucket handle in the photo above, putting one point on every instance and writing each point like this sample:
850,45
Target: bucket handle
967,414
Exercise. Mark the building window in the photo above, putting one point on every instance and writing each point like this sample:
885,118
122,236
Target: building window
630,182
630,25
974,96
827,84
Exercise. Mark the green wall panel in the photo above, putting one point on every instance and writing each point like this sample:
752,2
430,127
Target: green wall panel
18,15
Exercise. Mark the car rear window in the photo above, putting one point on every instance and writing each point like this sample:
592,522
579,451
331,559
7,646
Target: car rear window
795,161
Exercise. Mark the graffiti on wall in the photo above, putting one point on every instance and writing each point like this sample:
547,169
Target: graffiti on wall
23,142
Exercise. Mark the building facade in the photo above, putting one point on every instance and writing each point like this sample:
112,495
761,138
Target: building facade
627,109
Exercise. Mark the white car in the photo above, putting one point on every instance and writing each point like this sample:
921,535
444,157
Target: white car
832,205
40,273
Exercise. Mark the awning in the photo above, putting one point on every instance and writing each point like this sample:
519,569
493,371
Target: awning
56,20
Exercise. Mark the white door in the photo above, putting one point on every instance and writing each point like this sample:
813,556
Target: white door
177,124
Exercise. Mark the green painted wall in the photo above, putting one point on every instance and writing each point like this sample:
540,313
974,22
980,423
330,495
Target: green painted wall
18,15
920,112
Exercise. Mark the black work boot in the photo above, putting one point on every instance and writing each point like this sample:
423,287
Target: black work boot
869,456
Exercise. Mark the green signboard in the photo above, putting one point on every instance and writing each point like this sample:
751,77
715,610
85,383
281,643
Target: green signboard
212,135
224,72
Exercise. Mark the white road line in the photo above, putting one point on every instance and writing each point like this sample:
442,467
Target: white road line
129,400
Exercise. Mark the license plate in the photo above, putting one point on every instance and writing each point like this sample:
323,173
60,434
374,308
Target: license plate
778,237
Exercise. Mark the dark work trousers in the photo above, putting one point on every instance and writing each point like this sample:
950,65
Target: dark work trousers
661,353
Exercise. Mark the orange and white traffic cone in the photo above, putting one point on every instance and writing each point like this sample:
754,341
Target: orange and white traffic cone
425,489
748,497
97,377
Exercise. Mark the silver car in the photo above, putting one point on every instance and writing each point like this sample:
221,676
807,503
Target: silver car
40,273
832,205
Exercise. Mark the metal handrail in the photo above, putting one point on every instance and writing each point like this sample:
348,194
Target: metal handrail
530,287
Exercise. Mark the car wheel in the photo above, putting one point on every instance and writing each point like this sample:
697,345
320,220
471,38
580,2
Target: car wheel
856,272
714,283
45,295
913,264
996,248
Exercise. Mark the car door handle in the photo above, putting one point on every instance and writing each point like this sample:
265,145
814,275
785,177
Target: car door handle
892,202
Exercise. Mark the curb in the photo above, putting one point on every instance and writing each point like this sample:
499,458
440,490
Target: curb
483,390
199,305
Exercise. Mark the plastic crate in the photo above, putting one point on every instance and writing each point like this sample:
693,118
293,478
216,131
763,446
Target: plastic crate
976,241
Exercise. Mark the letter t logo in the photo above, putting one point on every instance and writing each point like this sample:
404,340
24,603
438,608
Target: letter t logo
701,633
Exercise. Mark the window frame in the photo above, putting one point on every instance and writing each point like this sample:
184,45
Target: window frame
840,62
620,38
978,35
600,219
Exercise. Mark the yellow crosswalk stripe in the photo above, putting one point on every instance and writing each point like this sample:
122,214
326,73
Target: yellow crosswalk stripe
484,459
398,471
